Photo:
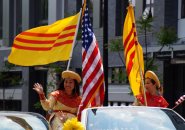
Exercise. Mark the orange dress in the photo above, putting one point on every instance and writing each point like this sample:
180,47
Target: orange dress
62,106
152,100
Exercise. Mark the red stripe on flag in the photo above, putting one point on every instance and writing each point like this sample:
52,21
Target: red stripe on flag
136,43
69,27
91,93
130,63
34,41
42,48
90,61
44,41
133,54
31,48
39,34
128,38
102,94
83,56
66,35
131,44
92,76
63,43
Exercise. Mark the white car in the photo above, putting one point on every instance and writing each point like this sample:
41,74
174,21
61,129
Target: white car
131,118
16,120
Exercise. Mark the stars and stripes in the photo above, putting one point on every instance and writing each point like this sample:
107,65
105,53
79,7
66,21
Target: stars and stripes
180,100
92,68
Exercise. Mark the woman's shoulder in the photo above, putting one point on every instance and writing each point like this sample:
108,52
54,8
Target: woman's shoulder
78,98
56,93
162,101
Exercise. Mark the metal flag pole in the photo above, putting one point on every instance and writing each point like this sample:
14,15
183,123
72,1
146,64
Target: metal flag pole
76,32
105,51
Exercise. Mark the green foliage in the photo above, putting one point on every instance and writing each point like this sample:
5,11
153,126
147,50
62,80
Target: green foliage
1,77
144,25
6,79
9,66
79,34
166,36
119,75
116,45
122,77
150,64
37,105
57,68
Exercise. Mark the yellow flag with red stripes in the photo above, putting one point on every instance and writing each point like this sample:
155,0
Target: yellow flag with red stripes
45,44
133,52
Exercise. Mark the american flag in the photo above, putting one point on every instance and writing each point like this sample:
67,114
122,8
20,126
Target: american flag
92,68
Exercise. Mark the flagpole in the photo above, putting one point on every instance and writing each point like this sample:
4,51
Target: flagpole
105,51
76,32
141,74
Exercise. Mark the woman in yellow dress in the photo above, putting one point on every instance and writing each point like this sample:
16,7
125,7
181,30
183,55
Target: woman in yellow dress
63,102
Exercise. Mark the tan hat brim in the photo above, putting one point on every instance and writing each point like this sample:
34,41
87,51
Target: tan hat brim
150,74
71,75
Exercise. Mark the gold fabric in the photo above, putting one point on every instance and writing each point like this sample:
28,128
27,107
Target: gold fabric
63,106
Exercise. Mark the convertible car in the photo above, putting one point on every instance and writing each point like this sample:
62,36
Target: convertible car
132,118
14,120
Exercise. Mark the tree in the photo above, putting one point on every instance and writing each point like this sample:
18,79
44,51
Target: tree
144,26
166,36
117,46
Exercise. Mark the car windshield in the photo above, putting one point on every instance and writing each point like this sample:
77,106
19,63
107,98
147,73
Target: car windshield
22,122
133,119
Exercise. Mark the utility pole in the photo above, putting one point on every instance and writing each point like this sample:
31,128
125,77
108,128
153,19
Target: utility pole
105,50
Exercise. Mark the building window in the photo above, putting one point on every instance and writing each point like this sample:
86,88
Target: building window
101,12
78,5
15,20
10,78
11,105
90,6
18,17
121,6
183,9
43,17
1,18
40,12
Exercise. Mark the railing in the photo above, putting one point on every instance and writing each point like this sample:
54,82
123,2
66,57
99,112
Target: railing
114,103
119,95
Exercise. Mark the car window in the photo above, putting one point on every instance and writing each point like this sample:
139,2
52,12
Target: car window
130,119
22,122
177,121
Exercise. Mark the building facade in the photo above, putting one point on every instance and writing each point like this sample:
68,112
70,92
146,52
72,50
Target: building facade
19,15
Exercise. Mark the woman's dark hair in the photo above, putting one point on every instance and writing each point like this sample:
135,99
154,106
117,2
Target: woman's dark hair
159,88
153,81
76,89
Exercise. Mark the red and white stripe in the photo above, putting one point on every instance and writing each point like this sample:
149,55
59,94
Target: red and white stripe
180,100
92,68
93,76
